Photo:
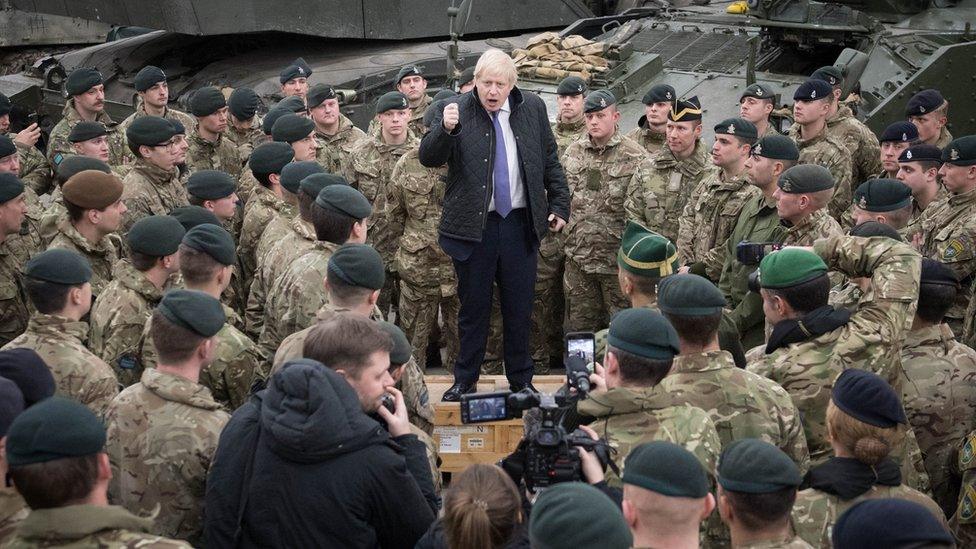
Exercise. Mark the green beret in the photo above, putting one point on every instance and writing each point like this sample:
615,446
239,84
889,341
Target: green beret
293,104
211,184
273,115
214,241
150,131
686,110
5,105
10,187
829,74
790,267
574,514
401,346
74,164
689,295
7,146
753,466
758,91
292,127
178,127
206,101
662,93
85,130
318,94
92,190
571,85
667,469
643,332
391,101
345,200
293,174
59,266
191,216
805,178
467,75
148,77
54,428
156,235
357,265
81,80
409,70
598,100
882,195
243,103
194,310
776,147
297,69
739,128
313,184
960,152
268,158
646,253
874,228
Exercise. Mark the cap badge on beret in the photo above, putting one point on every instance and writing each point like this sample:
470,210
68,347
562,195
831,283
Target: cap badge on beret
953,154
731,129
908,154
603,102
813,94
787,186
863,204
759,91
921,108
403,101
301,71
667,95
904,137
758,149
579,88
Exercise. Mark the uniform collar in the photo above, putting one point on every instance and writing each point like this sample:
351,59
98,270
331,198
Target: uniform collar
78,521
129,277
58,326
624,400
178,389
702,362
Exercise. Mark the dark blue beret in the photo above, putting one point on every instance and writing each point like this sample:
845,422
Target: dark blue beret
813,90
891,523
243,103
924,102
59,266
923,152
28,370
206,101
81,80
867,397
148,77
319,94
904,132
297,69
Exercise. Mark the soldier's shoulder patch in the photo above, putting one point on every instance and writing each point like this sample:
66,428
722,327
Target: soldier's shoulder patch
953,249
967,454
966,512
57,159
128,362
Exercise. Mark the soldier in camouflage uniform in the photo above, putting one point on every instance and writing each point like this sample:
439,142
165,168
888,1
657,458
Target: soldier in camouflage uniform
895,139
570,124
121,312
964,520
929,111
334,132
410,82
658,199
57,285
35,170
209,150
14,312
163,431
863,145
267,201
756,103
153,186
918,167
802,196
598,171
626,404
86,101
817,146
244,129
153,90
651,129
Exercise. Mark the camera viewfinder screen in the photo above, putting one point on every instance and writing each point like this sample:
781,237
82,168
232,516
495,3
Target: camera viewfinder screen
487,409
582,348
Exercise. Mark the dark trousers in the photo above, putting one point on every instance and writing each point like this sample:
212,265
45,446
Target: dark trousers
506,255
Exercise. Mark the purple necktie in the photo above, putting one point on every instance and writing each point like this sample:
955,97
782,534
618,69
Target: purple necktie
503,194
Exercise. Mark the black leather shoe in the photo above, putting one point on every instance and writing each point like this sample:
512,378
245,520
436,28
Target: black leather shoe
516,387
459,388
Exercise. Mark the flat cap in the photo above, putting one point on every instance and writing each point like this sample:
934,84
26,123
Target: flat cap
597,100
313,184
150,131
666,468
194,310
401,345
92,190
357,265
806,178
571,85
191,216
7,146
924,102
790,267
293,104
923,152
891,523
11,404
574,514
776,147
875,228
867,397
10,187
390,101
318,94
643,332
689,295
54,428
813,90
270,157
467,76
72,165
753,466
148,77
297,69
59,266
206,101
85,130
5,105
960,152
243,103
211,184
902,132
28,370
214,241
686,110
829,74
293,174
646,253
345,200
156,235
81,80
276,112
444,94
758,91
292,127
882,195
738,127
409,70
661,93
933,272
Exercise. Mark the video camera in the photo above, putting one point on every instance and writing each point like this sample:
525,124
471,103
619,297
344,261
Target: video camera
751,253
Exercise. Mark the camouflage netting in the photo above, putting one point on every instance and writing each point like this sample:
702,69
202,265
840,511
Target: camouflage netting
549,57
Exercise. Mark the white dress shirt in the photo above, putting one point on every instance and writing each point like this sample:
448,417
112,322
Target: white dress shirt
515,184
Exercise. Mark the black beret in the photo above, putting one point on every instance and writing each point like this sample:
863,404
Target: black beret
574,514
643,332
293,174
156,235
904,132
867,397
194,310
739,128
345,200
875,228
191,216
662,93
5,105
409,70
206,101
211,184
357,265
271,157
28,370
10,187
243,103
54,428
150,131
467,75
292,127
273,115
7,146
85,130
72,165
882,195
319,94
923,152
571,85
892,523
148,77
81,80
297,69
597,100
214,241
689,295
813,90
293,104
59,266
758,91
686,110
313,184
960,152
666,468
924,102
443,94
829,74
401,345
776,147
11,404
933,272
805,178
393,100
754,466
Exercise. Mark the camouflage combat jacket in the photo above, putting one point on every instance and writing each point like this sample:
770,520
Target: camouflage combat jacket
865,150
150,190
336,151
948,229
814,227
58,146
246,140
102,256
652,142
275,252
944,138
567,132
105,527
964,519
35,170
658,200
13,510
832,154
189,124
219,155
14,311
711,214
260,209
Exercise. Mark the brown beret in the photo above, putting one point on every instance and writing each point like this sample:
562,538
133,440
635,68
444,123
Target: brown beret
92,190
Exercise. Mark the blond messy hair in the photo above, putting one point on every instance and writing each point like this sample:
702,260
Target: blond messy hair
495,62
